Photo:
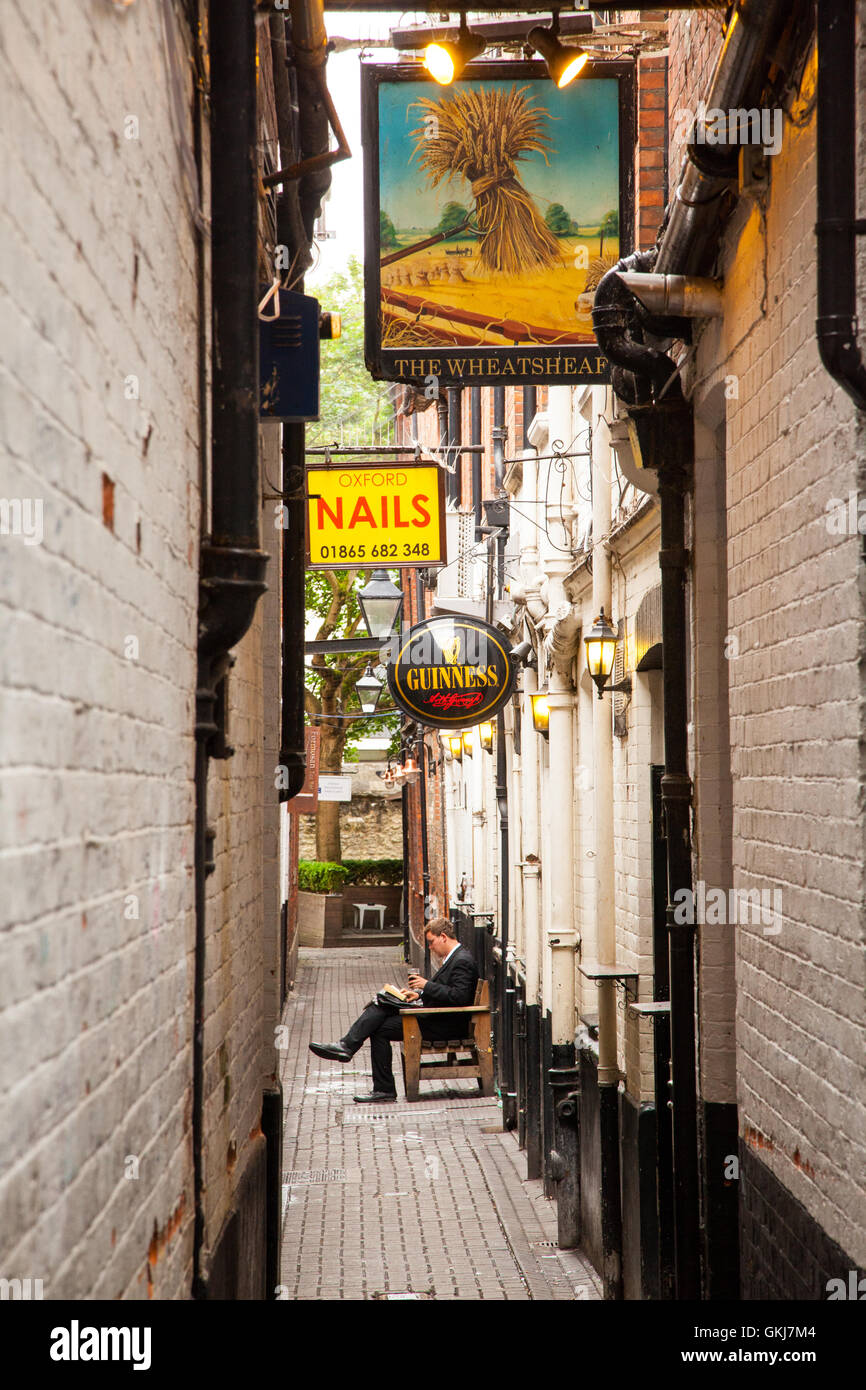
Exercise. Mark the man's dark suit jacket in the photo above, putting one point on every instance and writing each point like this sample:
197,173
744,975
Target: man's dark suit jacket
454,984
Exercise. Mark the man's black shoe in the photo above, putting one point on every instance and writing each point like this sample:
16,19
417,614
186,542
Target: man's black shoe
335,1052
376,1098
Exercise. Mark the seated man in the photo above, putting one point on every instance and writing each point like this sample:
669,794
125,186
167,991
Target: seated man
454,984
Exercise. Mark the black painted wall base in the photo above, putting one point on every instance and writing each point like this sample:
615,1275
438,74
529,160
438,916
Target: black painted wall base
590,1159
721,1252
639,1208
548,1140
534,1151
238,1266
784,1252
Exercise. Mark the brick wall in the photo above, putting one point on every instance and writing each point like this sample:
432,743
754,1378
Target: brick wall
651,161
96,745
99,401
795,607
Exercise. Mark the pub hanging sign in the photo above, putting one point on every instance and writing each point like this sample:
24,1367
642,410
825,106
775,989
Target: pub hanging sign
492,209
451,672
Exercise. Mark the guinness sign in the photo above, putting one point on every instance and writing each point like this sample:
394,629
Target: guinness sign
451,672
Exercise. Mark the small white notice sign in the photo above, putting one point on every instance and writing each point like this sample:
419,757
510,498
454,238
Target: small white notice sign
335,788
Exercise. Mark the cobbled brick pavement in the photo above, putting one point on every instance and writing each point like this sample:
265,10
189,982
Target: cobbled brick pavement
421,1201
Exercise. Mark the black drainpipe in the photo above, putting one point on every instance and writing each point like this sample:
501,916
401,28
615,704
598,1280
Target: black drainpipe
232,567
475,438
507,991
292,755
534,1146
837,226
648,381
455,440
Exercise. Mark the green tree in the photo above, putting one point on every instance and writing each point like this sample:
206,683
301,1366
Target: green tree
353,406
609,227
453,215
387,230
330,695
559,221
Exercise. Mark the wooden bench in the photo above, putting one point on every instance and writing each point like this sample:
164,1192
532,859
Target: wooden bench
471,1034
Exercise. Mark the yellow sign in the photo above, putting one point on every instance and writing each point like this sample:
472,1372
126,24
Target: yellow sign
383,515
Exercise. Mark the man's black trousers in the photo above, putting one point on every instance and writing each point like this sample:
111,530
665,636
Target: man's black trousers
382,1027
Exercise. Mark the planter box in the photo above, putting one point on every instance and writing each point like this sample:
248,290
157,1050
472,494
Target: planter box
320,919
389,894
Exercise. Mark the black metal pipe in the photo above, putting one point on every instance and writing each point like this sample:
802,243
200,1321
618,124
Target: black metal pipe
650,384
500,434
232,568
455,440
292,755
837,227
235,506
507,987
404,809
475,432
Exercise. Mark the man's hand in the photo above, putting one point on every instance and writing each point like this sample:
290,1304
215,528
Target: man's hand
411,995
417,981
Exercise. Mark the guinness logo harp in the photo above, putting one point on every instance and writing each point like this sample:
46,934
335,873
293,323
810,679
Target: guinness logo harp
451,672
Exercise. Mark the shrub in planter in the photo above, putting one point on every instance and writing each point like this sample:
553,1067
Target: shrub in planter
373,872
321,876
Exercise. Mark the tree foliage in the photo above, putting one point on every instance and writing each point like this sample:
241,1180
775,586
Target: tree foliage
387,231
453,214
559,221
353,406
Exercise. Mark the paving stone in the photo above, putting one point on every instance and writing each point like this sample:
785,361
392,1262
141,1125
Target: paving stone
414,1198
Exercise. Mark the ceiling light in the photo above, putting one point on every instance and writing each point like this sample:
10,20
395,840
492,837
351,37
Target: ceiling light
563,61
446,59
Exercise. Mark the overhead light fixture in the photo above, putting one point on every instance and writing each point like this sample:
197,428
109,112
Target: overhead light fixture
381,604
563,61
369,689
446,59
600,643
466,740
455,747
485,736
411,771
540,712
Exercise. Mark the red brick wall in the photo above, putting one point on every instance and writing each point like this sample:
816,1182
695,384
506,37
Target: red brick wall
651,154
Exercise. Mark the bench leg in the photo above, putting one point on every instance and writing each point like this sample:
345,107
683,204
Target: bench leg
481,1033
411,1057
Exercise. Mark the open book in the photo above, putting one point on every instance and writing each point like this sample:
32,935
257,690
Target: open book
391,997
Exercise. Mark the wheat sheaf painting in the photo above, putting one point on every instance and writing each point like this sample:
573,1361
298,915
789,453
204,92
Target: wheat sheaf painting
498,210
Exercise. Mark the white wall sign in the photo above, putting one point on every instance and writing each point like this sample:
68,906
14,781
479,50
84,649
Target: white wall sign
335,788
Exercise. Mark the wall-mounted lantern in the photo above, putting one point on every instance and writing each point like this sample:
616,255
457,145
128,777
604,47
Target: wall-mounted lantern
466,737
485,736
540,712
600,643
455,746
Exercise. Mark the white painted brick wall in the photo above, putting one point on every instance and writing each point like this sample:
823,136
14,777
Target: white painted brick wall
97,282
796,701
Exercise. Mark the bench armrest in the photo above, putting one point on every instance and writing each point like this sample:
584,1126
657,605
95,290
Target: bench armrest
453,1009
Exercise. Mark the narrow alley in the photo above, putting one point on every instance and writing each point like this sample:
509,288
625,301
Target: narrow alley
410,1201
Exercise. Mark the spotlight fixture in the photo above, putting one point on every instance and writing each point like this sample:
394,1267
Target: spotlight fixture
563,61
485,736
446,59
